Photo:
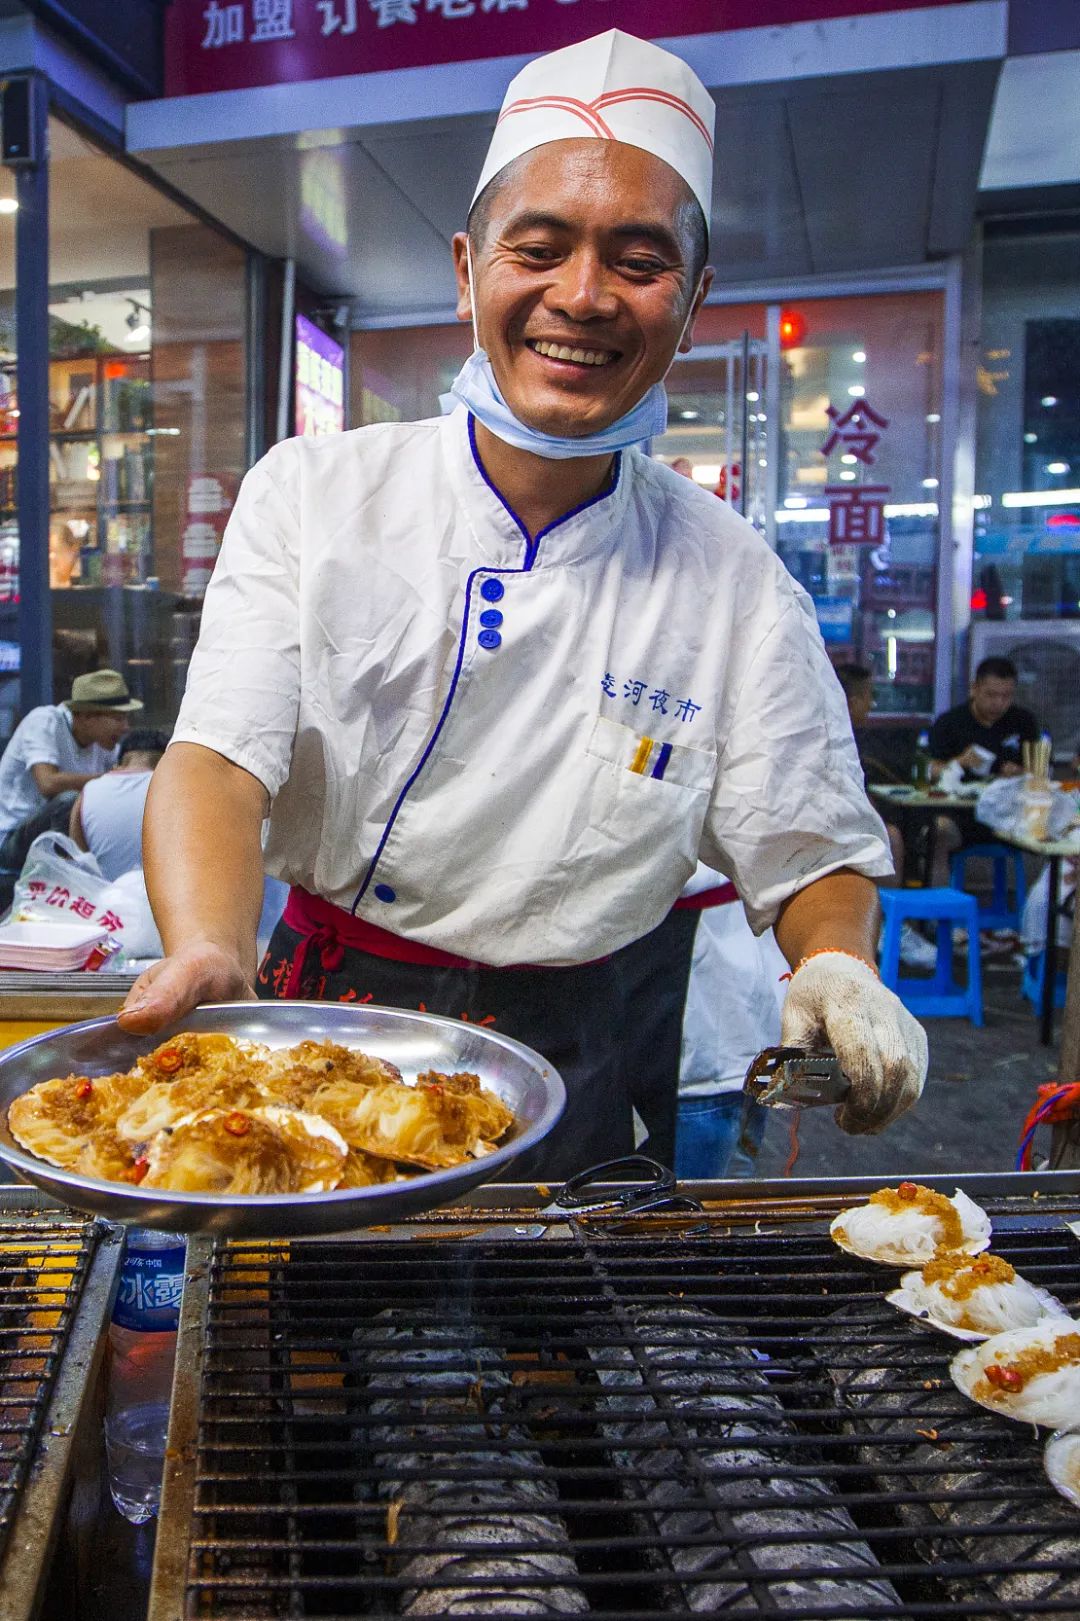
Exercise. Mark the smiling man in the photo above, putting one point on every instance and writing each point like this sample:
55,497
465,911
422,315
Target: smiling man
499,679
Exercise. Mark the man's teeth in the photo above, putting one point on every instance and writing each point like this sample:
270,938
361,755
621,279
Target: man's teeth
559,351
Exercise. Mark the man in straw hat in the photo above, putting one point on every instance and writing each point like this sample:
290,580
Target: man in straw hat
54,752
499,678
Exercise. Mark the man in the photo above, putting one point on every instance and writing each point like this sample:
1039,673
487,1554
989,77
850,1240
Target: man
990,724
54,752
499,678
989,720
107,816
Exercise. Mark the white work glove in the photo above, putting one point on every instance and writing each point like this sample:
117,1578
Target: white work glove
837,1001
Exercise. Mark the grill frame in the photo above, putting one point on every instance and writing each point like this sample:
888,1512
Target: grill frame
771,1215
65,1403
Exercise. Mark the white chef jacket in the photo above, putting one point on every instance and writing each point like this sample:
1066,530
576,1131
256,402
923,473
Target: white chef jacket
516,750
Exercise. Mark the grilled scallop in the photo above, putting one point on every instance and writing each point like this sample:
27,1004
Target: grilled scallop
1030,1374
1062,1460
429,1127
973,1296
489,1114
165,1103
910,1224
247,1151
57,1119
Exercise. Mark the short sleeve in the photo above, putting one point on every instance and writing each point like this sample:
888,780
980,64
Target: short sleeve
788,805
243,687
41,741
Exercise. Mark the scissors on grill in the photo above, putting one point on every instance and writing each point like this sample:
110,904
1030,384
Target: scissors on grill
650,1186
792,1078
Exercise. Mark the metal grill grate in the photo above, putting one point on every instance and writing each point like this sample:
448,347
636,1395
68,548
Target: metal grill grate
43,1265
633,1421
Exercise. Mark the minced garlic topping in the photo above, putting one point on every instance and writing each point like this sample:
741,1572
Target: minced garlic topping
960,1275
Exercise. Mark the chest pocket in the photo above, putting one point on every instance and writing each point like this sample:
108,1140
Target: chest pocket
655,764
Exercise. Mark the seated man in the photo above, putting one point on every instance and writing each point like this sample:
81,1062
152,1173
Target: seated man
990,719
858,684
107,816
54,752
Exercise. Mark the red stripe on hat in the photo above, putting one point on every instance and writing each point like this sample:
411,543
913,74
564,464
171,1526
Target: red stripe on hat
565,104
643,93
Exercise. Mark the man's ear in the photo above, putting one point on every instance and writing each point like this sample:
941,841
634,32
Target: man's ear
708,275
460,250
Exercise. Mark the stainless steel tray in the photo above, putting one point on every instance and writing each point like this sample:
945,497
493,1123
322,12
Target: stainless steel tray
413,1041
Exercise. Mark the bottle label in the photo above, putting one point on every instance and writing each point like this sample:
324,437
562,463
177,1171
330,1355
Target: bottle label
151,1285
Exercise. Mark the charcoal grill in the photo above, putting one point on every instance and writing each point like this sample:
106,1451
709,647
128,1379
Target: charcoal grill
430,1418
57,1279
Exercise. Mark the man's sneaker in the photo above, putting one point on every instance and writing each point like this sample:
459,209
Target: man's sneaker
915,952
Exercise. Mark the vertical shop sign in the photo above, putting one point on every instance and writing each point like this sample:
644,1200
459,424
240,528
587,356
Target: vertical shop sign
208,506
320,382
856,511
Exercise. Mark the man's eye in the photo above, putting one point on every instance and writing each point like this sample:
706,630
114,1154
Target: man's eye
642,267
536,250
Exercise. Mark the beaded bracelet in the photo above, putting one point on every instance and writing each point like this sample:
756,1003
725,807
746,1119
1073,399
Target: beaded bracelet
834,951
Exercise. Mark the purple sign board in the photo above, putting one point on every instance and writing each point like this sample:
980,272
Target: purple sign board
320,381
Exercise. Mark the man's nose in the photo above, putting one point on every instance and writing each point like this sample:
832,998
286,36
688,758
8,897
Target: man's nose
582,290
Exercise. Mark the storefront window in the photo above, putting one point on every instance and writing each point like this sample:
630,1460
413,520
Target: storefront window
397,376
859,471
147,419
1027,518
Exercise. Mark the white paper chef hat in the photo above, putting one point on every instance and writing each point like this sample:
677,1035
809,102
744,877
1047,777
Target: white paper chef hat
613,87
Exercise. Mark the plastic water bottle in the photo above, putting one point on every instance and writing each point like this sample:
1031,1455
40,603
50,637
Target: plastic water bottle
142,1350
920,774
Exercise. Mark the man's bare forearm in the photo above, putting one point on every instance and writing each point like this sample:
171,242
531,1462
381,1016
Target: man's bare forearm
839,912
202,852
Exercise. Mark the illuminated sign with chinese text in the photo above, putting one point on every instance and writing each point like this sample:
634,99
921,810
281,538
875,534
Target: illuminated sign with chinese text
320,382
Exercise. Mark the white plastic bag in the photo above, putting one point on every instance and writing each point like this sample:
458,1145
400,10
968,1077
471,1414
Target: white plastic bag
60,883
1001,807
733,1001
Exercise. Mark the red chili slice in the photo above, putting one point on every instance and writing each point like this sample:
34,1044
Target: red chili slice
908,1190
169,1059
84,1089
139,1169
1004,1378
237,1124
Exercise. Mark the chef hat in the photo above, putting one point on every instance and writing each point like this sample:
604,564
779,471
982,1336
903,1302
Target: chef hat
613,87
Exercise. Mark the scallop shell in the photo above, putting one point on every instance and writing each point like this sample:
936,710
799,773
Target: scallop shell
1024,1302
906,1238
1051,1398
1062,1462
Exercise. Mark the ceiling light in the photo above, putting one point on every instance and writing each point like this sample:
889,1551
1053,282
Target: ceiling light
1048,400
857,390
689,416
796,501
847,477
933,416
707,473
1031,438
859,356
753,397
137,334
849,459
929,483
8,205
1041,498
762,462
1057,468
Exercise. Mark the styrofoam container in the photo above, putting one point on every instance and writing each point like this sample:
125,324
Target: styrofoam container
58,947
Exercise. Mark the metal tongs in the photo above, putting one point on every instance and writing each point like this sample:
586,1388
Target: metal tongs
650,1187
792,1078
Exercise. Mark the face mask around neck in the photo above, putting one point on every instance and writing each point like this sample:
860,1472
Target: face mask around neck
475,387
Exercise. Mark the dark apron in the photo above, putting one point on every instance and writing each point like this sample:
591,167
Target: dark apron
612,1028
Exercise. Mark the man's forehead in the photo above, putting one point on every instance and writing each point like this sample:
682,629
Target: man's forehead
614,185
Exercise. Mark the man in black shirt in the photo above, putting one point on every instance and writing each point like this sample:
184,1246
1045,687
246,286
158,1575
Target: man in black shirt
991,719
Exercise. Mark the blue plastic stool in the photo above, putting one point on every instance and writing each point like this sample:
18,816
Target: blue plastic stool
995,913
940,997
1032,983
